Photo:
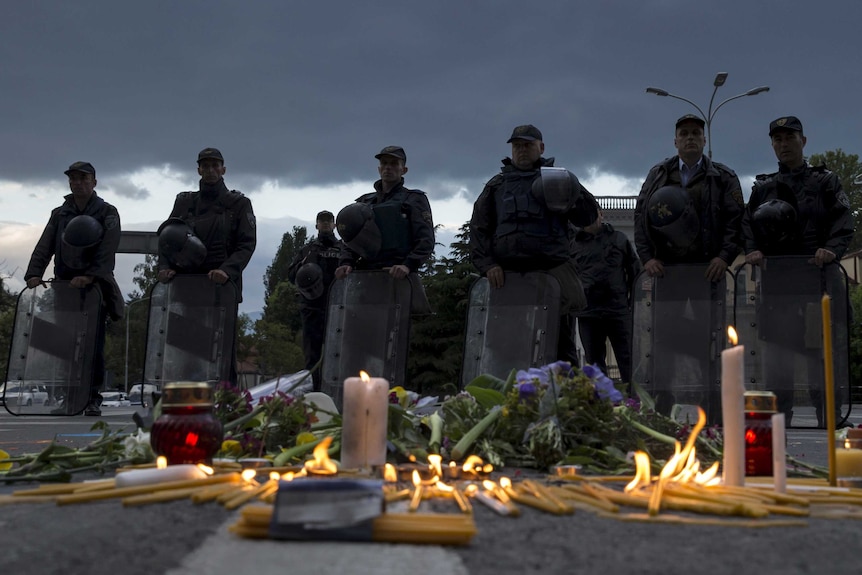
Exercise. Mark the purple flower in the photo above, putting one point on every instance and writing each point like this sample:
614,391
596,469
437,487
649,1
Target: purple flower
560,367
533,375
526,391
633,403
604,385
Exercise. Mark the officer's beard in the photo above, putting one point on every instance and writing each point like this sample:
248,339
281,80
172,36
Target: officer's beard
326,238
210,191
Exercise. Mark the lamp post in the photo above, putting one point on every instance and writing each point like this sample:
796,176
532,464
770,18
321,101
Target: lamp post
128,322
718,82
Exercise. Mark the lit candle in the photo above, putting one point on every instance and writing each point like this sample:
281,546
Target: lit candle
363,429
779,458
848,459
732,411
159,474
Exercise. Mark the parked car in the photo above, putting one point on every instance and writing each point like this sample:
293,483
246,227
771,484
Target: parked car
23,394
115,399
141,393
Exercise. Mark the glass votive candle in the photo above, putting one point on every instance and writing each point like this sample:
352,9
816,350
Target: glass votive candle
187,431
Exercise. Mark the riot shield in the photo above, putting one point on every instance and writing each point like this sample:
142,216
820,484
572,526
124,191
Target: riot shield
678,333
54,338
190,331
516,326
779,317
367,329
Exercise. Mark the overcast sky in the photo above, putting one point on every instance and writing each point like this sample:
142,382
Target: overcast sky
299,96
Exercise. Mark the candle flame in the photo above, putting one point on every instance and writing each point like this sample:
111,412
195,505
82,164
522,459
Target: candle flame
161,462
248,474
390,474
364,376
435,461
505,482
472,463
206,469
274,476
444,487
288,476
416,479
321,464
732,337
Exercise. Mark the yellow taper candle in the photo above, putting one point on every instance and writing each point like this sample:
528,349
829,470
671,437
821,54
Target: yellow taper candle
826,309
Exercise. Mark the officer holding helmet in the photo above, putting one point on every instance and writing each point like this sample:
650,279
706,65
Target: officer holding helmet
799,210
689,208
312,271
521,223
389,228
211,231
82,236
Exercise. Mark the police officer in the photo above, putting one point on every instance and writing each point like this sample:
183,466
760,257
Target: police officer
312,271
607,265
688,212
514,229
798,210
82,236
401,218
223,221
712,200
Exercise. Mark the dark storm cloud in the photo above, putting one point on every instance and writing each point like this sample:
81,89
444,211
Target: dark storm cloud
307,93
127,189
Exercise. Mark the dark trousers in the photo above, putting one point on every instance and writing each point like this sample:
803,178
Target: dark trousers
313,330
566,349
595,331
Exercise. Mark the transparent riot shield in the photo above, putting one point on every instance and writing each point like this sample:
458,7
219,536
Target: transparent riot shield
779,317
516,326
190,331
53,345
678,333
367,328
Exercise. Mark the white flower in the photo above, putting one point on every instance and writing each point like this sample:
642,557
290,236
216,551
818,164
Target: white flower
138,446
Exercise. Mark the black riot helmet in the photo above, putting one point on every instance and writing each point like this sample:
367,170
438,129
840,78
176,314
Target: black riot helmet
774,224
556,188
309,281
80,238
179,245
358,229
673,218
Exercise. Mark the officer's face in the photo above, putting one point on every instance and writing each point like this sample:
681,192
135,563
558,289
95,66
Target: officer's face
525,153
211,171
82,185
325,226
391,169
788,145
689,141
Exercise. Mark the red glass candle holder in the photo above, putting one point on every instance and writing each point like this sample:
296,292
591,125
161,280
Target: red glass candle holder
759,408
187,431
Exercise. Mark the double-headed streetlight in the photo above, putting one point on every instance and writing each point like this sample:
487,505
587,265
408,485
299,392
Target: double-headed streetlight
710,114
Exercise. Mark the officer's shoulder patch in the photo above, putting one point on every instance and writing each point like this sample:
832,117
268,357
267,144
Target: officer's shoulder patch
112,220
426,216
736,194
842,199
252,221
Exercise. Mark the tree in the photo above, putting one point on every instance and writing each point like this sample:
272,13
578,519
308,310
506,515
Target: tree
7,319
437,340
291,243
847,167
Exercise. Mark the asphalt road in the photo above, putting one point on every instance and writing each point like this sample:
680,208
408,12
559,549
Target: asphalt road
182,538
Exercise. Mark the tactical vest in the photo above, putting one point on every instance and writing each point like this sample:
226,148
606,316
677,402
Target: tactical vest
392,217
215,228
524,227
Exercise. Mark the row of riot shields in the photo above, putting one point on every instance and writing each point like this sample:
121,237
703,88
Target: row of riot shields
680,323
190,336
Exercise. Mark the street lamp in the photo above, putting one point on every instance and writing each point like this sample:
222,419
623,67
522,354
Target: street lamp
129,321
718,82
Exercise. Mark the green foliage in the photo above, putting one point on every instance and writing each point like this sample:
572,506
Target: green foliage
847,167
146,276
7,318
276,273
437,340
856,338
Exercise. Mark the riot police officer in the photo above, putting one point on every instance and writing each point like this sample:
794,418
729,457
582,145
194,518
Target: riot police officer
708,216
82,236
224,223
515,228
396,219
798,210
312,271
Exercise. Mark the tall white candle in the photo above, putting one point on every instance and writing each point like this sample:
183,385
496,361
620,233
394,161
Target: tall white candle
363,428
733,412
779,457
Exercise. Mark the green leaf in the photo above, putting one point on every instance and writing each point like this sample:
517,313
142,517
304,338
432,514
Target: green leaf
488,381
487,398
647,402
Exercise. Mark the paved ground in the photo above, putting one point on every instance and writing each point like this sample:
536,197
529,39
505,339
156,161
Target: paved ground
181,538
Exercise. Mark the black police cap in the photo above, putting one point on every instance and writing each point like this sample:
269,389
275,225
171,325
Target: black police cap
85,167
394,151
527,132
791,123
210,154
